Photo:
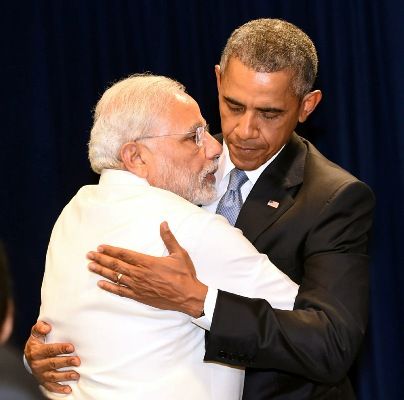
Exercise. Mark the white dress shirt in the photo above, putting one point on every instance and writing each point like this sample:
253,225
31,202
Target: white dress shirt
129,350
222,180
223,174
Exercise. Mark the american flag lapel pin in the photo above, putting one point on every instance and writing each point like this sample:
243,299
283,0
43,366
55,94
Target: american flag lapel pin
272,203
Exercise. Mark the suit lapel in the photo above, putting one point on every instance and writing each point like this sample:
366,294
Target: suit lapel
279,182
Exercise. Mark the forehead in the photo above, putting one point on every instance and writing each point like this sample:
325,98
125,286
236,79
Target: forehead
181,113
249,86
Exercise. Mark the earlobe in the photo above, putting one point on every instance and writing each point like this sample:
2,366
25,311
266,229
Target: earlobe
309,104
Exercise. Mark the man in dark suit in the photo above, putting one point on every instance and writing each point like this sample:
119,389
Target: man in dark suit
310,216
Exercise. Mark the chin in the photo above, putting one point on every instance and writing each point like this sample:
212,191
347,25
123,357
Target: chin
242,163
247,165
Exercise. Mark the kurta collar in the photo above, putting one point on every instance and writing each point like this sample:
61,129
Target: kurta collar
120,177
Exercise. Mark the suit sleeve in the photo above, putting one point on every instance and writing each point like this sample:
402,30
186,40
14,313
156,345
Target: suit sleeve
320,338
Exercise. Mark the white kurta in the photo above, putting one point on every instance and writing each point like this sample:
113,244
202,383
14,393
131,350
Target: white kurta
129,350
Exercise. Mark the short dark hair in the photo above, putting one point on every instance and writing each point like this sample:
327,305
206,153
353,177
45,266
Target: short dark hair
5,285
271,45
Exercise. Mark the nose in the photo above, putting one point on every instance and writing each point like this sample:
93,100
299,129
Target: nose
213,148
247,126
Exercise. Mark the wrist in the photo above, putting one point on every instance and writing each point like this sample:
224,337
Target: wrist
196,301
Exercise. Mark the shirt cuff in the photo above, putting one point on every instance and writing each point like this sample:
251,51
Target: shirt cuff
205,321
26,365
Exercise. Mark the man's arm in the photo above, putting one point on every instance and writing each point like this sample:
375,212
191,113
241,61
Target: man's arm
225,259
321,337
45,360
242,270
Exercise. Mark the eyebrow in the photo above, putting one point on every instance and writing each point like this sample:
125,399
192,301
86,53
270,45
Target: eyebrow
262,109
196,125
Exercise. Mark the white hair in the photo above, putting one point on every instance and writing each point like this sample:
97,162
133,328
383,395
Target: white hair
127,111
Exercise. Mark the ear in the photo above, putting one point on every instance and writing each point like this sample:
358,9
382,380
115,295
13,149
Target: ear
309,103
218,76
133,156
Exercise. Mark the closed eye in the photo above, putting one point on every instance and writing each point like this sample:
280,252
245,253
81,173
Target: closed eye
191,136
233,105
235,109
269,115
197,135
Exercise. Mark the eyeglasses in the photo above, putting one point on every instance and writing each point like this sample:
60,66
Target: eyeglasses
197,135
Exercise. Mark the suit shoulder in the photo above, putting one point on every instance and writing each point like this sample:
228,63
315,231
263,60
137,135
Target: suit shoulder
327,175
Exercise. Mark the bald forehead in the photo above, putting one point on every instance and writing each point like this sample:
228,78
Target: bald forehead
181,114
183,98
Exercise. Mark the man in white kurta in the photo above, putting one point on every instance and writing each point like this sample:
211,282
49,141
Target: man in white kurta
129,350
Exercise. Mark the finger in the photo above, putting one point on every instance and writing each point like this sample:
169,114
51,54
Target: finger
169,239
55,349
105,272
60,376
119,290
40,329
56,388
51,350
128,256
40,351
108,266
48,364
113,276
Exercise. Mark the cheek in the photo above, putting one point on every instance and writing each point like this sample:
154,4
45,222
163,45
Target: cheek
228,120
273,137
277,133
154,177
229,125
196,165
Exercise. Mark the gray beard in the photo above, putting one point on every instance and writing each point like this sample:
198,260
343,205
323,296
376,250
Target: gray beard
192,187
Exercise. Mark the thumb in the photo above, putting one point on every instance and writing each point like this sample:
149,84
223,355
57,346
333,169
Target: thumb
169,239
40,329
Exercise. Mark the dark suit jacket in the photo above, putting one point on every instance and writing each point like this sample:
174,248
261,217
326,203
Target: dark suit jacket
318,236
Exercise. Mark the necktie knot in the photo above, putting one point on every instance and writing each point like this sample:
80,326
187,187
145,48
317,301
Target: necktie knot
237,179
